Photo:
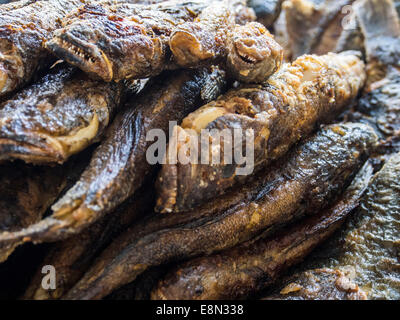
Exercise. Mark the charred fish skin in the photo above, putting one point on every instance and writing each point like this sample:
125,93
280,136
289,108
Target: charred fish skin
286,193
267,11
123,41
248,51
56,117
72,257
310,91
320,284
247,269
119,165
24,27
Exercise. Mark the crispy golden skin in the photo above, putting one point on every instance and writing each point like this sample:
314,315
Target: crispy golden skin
24,26
56,117
310,91
247,269
135,41
72,257
310,176
119,165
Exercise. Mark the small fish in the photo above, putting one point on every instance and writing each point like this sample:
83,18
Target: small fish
289,106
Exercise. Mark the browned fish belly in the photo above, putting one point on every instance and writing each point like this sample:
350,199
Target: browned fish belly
310,91
119,165
56,117
324,163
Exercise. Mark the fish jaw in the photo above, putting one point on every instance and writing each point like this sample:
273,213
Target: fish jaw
86,55
253,55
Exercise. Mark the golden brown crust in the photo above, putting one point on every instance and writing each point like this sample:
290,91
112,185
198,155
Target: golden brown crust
310,91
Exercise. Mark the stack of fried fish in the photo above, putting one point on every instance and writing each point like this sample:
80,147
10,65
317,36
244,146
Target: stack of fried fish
84,87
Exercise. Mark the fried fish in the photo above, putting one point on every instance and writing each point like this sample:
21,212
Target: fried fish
26,193
247,269
72,257
310,177
119,165
310,91
24,27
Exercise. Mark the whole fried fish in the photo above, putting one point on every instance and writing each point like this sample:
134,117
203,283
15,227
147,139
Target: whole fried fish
129,41
119,165
247,269
57,116
26,192
311,90
24,27
309,178
248,51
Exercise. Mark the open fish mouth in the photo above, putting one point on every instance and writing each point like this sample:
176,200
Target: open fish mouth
86,56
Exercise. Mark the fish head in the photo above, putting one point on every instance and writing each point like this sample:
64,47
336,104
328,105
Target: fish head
253,55
83,48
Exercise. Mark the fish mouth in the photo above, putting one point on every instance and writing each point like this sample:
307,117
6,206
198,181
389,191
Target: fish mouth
187,48
254,54
11,68
82,54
